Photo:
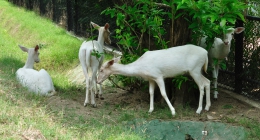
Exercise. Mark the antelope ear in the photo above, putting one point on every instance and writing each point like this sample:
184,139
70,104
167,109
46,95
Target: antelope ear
110,63
238,30
23,48
95,25
36,48
107,26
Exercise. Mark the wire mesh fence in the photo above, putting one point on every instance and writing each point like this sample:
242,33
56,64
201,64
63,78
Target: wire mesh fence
74,15
250,76
251,57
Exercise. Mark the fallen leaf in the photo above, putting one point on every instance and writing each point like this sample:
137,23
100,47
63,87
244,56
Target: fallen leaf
210,117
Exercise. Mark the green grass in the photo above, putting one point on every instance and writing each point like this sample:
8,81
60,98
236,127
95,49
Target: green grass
227,106
23,113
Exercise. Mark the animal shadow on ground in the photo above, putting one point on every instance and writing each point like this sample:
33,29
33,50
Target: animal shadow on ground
11,63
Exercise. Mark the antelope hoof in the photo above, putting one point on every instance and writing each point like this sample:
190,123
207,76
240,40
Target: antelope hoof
173,112
207,108
150,110
86,104
101,97
94,105
199,110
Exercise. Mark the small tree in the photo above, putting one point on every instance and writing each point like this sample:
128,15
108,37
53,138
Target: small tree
141,18
137,21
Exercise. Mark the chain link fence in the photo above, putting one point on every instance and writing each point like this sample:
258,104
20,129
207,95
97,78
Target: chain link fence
250,73
73,15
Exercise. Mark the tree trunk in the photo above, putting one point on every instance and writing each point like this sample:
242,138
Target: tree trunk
179,34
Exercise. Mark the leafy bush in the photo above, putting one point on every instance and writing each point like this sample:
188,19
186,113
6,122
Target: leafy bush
211,18
140,17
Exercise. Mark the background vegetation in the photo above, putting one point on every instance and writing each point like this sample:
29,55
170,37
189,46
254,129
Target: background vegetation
137,19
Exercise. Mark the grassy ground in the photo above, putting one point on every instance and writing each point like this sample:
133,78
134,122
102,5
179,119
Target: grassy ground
25,116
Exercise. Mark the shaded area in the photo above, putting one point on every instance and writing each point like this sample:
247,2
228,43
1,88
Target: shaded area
74,15
242,72
178,130
10,63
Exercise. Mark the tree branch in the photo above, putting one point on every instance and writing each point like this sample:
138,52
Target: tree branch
162,5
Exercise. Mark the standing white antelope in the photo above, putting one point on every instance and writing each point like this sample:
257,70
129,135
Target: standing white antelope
89,61
219,51
38,82
154,66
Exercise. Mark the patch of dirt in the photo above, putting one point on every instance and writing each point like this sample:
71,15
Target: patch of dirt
114,98
33,134
229,107
225,108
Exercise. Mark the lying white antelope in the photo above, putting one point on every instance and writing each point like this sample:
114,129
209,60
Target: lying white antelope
38,82
219,51
89,61
154,66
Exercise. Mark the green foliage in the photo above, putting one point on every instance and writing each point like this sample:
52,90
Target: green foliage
227,106
211,18
207,18
254,8
96,53
178,80
134,21
222,64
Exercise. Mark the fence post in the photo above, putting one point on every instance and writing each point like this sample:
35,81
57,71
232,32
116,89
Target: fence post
239,58
55,16
76,16
69,15
42,7
29,4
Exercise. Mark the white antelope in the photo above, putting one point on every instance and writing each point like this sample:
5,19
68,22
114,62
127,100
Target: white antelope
154,66
219,51
38,82
89,61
